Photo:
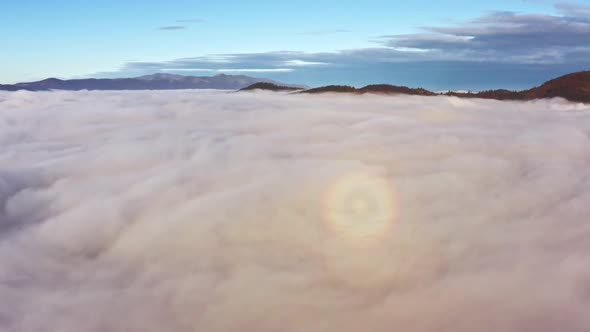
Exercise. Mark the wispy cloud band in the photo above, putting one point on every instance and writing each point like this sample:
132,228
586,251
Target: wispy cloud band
172,27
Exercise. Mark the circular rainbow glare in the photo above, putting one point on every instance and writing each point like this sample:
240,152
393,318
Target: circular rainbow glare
360,206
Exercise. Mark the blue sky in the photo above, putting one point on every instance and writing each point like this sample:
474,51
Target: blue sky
439,45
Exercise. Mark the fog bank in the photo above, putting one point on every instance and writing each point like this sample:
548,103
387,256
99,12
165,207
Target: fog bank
215,211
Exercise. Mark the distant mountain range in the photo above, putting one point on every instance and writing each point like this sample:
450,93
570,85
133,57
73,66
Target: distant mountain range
573,87
148,82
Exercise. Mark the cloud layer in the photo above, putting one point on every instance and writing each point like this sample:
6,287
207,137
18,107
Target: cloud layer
212,211
520,45
506,37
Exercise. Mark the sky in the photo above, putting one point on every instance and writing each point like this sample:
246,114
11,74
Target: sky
444,45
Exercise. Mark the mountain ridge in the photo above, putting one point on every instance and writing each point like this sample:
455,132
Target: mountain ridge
270,87
157,81
573,87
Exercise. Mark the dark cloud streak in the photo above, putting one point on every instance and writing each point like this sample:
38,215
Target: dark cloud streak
173,27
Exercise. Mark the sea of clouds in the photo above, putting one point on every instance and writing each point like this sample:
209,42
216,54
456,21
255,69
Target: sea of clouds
215,212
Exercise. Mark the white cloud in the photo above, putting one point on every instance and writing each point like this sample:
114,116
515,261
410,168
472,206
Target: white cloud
231,70
300,63
212,211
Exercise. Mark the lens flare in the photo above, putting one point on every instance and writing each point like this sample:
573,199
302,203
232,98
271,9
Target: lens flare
360,206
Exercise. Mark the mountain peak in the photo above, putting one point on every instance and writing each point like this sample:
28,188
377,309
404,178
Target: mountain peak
161,76
51,79
270,87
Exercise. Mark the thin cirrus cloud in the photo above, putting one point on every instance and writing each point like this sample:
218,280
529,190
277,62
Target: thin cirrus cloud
173,27
246,62
182,27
